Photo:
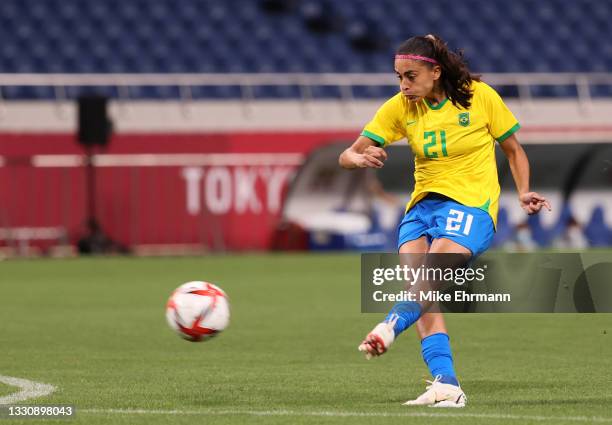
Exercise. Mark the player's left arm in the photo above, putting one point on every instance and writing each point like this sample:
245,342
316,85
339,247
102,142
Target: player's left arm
531,202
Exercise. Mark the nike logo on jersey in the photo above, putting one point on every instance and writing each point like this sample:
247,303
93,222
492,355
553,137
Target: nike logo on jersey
410,122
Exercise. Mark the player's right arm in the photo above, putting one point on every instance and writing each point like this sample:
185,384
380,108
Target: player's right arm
385,128
363,153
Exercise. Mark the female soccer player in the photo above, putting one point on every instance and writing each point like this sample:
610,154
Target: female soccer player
451,120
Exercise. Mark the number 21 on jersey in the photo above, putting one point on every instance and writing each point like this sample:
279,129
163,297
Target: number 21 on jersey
430,148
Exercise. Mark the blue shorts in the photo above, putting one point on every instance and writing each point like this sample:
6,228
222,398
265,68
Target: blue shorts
437,216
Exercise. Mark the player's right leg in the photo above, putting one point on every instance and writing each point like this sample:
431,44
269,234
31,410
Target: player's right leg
377,342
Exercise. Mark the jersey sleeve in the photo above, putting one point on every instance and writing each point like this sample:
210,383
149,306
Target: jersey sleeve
502,122
385,127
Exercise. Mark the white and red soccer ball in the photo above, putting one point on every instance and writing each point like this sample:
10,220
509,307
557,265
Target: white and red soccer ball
198,310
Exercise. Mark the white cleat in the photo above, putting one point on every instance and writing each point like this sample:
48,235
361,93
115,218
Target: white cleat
440,395
378,341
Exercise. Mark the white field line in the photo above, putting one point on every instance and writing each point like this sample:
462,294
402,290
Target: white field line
28,389
331,413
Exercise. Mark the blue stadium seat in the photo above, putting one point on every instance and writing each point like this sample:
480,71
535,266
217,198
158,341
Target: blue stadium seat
276,92
216,92
69,36
553,91
505,229
28,92
596,231
326,92
601,91
544,236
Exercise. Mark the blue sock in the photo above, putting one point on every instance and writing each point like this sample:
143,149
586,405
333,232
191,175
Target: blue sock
407,313
437,354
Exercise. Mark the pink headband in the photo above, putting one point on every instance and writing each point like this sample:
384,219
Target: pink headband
417,57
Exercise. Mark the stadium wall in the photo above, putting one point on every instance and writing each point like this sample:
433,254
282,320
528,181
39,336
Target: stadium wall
208,174
543,121
217,190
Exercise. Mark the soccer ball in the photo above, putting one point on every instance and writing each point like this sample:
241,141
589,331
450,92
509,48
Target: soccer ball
197,311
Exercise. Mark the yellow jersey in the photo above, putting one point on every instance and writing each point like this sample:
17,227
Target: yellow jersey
454,148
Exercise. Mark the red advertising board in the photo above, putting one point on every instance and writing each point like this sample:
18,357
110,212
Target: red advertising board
222,191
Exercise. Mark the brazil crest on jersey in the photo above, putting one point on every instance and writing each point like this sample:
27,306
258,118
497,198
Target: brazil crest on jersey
454,148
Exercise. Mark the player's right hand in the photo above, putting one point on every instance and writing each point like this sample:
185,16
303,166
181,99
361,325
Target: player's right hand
372,157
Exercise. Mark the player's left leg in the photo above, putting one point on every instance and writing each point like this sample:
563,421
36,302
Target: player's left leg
444,390
435,342
435,347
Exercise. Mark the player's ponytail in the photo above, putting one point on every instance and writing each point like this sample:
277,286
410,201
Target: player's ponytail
456,78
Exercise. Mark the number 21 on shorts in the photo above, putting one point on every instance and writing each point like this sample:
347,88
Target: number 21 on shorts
458,219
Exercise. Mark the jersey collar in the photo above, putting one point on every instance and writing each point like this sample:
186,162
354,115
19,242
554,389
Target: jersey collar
436,107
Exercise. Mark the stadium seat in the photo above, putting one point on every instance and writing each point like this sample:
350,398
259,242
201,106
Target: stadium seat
192,36
596,230
505,229
544,236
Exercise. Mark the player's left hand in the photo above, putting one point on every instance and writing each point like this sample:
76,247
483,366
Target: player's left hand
532,202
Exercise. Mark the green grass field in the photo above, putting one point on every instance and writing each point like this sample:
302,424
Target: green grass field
5,389
95,329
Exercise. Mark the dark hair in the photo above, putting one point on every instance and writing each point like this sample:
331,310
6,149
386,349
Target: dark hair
456,77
